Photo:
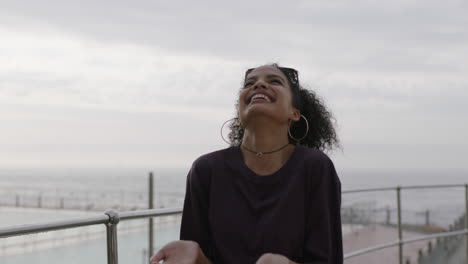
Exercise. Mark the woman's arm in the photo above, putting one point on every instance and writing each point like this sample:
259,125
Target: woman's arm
324,242
195,224
195,244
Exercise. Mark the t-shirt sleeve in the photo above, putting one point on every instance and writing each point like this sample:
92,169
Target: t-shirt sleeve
323,239
194,225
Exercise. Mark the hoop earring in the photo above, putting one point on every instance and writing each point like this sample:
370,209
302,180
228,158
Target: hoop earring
307,131
222,129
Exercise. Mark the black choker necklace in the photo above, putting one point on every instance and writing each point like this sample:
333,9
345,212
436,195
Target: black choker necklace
259,154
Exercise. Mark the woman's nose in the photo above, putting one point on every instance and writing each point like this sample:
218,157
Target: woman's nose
259,84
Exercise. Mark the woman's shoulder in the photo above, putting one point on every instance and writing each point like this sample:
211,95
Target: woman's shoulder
205,166
320,168
312,156
207,160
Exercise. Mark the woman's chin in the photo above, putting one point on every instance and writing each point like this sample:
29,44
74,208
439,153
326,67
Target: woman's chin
260,105
256,111
259,108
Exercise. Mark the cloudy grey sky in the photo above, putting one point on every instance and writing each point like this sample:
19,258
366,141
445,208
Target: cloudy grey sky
149,83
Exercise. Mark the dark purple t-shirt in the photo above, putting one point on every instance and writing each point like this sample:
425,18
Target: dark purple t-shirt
236,215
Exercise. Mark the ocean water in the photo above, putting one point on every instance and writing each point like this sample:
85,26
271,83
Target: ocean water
127,189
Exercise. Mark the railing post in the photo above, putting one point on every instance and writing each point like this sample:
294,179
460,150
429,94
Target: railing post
466,222
387,209
400,237
427,217
111,228
150,206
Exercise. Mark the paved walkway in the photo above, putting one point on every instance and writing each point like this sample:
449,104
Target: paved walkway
372,235
459,255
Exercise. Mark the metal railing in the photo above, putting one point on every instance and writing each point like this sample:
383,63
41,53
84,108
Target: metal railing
111,218
400,242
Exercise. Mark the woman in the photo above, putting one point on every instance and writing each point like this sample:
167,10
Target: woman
273,196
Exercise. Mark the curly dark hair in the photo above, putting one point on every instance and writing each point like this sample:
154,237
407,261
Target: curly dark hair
321,135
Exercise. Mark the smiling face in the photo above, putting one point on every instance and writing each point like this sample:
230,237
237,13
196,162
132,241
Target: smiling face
266,92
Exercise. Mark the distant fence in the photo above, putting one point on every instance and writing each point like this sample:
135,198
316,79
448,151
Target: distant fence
368,213
95,200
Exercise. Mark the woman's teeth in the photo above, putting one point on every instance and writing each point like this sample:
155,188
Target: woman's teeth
260,96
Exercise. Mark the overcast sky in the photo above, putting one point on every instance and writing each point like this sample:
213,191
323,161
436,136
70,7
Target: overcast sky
149,83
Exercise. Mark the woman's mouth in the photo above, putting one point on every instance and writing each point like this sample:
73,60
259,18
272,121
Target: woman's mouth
260,98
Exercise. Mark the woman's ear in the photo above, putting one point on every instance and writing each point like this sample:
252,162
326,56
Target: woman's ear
295,115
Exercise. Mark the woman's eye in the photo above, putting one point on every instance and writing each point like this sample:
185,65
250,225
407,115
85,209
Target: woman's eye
247,84
276,81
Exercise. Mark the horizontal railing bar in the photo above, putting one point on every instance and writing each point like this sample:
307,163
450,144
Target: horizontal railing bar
404,187
370,249
149,213
438,235
50,226
80,222
404,241
369,190
432,186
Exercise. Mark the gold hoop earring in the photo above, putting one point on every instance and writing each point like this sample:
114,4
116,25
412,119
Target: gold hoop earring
305,135
223,127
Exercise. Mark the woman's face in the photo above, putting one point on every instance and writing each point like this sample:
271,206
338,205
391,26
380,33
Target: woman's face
266,92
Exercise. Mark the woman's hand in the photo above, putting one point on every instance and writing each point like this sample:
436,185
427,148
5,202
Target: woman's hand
180,252
270,258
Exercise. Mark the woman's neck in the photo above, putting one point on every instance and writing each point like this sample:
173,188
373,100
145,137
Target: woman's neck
265,138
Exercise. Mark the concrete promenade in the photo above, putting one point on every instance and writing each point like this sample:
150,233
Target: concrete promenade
372,235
